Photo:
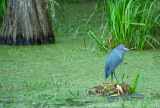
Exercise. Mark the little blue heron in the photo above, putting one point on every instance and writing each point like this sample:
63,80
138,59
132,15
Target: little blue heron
115,57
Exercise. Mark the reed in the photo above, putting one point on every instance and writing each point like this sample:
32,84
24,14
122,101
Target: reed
133,23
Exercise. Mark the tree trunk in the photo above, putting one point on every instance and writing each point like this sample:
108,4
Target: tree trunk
26,23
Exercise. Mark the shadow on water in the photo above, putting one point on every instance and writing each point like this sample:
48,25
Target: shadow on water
72,102
60,102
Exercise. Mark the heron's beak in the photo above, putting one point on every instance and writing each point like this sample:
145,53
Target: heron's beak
126,49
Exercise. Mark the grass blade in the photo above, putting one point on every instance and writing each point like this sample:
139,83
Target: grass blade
135,84
98,42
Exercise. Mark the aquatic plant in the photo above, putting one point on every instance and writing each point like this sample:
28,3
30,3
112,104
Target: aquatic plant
133,88
133,23
98,42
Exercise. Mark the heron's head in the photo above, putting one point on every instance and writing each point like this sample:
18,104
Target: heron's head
122,48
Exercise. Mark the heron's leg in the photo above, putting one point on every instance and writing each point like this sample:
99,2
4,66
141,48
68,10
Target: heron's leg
112,76
115,77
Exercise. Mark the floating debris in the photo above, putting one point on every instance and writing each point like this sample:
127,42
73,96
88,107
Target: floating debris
107,89
126,96
114,91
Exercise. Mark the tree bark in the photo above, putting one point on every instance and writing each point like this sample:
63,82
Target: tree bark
26,23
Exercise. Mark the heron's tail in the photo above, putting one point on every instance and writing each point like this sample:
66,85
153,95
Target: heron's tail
106,75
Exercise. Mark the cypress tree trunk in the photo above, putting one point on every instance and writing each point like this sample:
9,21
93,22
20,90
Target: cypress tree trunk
26,23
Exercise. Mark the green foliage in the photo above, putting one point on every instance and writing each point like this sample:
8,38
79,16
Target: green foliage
112,92
132,21
98,42
87,22
134,84
3,7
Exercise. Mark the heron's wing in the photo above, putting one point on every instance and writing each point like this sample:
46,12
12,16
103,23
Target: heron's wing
113,60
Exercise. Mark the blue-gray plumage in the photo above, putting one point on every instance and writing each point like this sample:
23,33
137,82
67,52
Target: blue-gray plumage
114,58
